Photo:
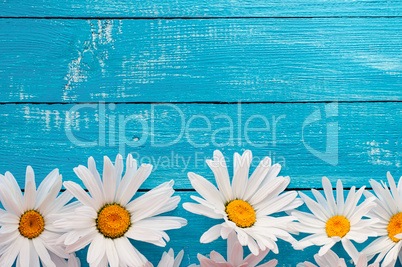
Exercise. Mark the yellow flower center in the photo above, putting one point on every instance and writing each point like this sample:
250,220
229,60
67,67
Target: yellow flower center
241,213
31,224
337,226
395,226
113,221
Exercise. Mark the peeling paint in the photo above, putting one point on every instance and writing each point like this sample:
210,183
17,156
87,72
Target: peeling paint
91,55
379,155
379,62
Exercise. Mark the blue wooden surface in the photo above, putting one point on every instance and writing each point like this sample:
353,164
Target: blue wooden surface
200,8
282,70
54,136
201,60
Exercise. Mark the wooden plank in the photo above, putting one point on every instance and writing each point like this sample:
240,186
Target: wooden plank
194,8
187,239
177,139
201,60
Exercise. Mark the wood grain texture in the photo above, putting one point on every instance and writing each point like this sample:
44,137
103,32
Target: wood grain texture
177,139
202,8
277,53
201,60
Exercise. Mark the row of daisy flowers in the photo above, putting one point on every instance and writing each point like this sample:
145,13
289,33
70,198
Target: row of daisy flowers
44,226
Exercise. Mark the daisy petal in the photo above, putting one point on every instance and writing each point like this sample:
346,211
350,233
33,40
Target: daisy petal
316,209
42,252
212,234
206,189
329,195
90,183
257,178
43,207
30,190
46,185
394,190
240,177
218,167
82,242
8,258
324,249
81,195
202,210
96,250
94,171
111,253
33,256
252,260
127,252
9,202
118,168
339,196
24,255
12,185
109,180
236,258
131,169
139,177
350,249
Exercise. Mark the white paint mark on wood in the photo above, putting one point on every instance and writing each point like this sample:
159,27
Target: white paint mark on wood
380,62
380,155
91,55
75,75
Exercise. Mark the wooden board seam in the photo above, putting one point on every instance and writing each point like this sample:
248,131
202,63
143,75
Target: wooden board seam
203,102
195,18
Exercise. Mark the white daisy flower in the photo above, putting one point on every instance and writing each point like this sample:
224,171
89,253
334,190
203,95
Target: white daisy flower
333,221
389,226
27,230
330,259
235,256
245,205
108,219
168,259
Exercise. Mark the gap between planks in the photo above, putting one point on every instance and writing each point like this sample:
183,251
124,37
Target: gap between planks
198,18
202,102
